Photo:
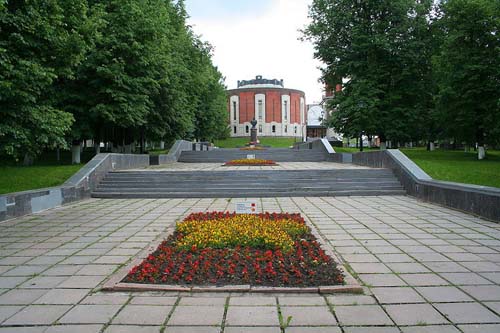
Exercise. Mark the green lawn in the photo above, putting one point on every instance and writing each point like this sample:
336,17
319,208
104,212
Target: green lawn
458,166
46,172
265,141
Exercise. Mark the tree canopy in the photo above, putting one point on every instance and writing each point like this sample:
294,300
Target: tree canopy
108,70
411,69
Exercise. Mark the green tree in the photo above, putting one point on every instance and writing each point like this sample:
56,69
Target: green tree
374,45
41,43
468,71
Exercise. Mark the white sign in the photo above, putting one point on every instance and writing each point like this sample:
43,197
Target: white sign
251,157
246,207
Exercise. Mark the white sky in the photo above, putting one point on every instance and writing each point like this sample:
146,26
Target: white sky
259,37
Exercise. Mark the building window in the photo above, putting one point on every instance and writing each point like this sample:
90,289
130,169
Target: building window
260,109
234,129
274,128
285,109
286,129
234,110
295,129
260,128
246,129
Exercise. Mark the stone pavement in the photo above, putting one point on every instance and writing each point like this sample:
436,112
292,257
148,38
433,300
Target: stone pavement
426,269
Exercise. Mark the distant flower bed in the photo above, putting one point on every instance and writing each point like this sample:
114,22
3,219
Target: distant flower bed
253,148
255,161
233,249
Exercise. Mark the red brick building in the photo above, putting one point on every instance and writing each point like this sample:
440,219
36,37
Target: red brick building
279,111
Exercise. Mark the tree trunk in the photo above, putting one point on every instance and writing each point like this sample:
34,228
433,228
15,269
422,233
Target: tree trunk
162,145
361,142
58,155
28,159
97,147
481,152
431,146
76,152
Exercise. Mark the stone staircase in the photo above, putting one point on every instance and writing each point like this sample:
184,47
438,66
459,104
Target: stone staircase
248,183
275,154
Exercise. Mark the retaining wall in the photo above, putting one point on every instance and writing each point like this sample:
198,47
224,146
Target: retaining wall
482,201
78,187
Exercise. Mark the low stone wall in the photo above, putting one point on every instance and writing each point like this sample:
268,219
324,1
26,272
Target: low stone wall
319,144
78,187
482,201
176,150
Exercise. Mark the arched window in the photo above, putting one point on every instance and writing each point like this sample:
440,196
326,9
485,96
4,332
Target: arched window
260,128
274,128
234,129
246,129
286,129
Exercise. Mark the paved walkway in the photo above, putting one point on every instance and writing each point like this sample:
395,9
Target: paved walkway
426,268
280,166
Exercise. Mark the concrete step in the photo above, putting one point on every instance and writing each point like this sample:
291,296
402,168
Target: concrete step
248,183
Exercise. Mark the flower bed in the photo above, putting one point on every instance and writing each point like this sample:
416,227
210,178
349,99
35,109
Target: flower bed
216,248
255,162
253,148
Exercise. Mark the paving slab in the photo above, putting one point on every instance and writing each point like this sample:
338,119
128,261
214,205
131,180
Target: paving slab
391,241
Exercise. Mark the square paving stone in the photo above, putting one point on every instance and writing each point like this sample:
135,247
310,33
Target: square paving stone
150,300
302,301
465,313
203,301
351,300
397,295
106,299
21,296
483,293
252,330
196,315
252,301
415,314
38,329
424,279
430,329
465,278
90,314
495,306
445,267
142,315
371,329
483,328
83,282
252,316
308,316
37,315
63,296
7,311
370,268
443,294
132,329
362,315
74,329
411,267
97,270
397,257
325,329
41,282
382,280
9,282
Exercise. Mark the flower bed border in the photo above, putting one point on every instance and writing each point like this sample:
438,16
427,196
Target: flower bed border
114,283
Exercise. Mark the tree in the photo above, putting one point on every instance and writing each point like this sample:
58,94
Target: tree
375,45
468,71
41,42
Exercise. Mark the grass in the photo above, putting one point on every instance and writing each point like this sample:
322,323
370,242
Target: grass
458,166
158,152
46,172
265,141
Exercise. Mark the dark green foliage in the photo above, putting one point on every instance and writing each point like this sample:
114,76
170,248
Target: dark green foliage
468,70
41,43
381,48
413,70
109,70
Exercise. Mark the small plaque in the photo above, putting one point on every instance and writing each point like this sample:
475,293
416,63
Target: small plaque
246,207
251,157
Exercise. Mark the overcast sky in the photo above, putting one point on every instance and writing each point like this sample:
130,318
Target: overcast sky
259,37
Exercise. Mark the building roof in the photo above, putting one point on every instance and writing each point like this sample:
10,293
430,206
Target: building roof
260,82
